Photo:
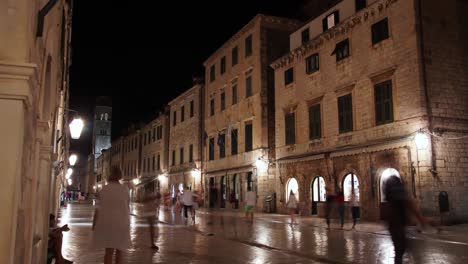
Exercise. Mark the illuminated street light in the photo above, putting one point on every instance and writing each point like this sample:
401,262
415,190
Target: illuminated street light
261,164
76,126
70,181
72,159
69,173
422,140
196,173
136,181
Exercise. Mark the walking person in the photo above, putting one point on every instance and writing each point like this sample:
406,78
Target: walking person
111,222
187,200
400,208
329,205
250,202
355,209
341,207
292,206
150,207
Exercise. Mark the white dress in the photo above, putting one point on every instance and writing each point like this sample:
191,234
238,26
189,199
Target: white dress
112,229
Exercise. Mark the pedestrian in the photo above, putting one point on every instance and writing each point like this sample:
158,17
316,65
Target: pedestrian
187,200
250,202
341,207
111,222
400,208
292,206
355,209
150,206
330,201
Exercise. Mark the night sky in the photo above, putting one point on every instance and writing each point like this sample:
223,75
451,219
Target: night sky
144,53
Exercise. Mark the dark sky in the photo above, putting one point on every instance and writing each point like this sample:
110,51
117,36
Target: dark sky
144,53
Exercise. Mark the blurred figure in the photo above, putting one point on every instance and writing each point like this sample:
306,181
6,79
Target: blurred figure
150,207
355,209
341,206
292,206
400,209
111,222
250,202
187,200
54,247
329,204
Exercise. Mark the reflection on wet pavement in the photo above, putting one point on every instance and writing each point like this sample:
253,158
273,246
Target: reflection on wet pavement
218,237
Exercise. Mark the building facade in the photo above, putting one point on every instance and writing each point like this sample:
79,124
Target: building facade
102,128
154,157
357,94
239,112
185,137
34,65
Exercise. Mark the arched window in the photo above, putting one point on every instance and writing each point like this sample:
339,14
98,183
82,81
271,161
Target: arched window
350,183
383,178
294,187
102,116
319,193
106,116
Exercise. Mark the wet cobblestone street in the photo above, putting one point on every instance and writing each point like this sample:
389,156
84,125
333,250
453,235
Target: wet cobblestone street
225,237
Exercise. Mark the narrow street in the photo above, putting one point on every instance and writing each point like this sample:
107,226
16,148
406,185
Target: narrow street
225,237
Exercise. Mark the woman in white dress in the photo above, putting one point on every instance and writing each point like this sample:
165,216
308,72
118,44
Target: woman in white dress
292,206
111,223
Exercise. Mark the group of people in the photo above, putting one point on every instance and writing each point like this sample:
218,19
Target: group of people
114,236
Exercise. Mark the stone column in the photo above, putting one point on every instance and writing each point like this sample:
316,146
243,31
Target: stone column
16,83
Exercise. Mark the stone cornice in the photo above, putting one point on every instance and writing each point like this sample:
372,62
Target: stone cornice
16,75
341,29
249,26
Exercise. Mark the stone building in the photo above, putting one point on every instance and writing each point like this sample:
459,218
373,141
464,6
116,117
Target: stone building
102,128
154,157
103,165
34,66
185,137
239,111
370,89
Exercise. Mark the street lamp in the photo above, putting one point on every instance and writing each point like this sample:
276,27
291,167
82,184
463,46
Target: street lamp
422,140
70,181
69,173
136,181
261,165
76,126
72,159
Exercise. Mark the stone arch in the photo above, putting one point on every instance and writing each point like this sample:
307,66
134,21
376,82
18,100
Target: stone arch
342,174
292,185
384,174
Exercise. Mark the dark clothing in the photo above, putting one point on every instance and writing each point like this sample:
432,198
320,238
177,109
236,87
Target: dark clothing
185,210
356,212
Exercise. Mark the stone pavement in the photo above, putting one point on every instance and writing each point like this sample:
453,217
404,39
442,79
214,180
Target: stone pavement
224,237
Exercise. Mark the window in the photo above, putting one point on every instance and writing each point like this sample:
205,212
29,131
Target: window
212,107
290,128
181,156
144,164
380,31
211,149
158,165
319,193
144,139
345,113
289,76
248,137
192,108
235,55
341,50
312,63
331,20
248,86
174,118
212,73
305,37
191,153
182,114
234,94
315,128
383,103
350,185
248,46
154,163
360,4
154,134
222,145
173,158
234,142
223,65
223,101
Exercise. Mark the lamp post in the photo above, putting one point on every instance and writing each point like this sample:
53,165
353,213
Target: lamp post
72,159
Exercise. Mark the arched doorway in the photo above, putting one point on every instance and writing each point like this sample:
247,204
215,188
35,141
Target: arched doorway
318,193
293,186
235,190
386,174
350,184
213,193
223,192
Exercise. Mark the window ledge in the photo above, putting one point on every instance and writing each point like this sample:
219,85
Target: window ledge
382,43
343,61
290,86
